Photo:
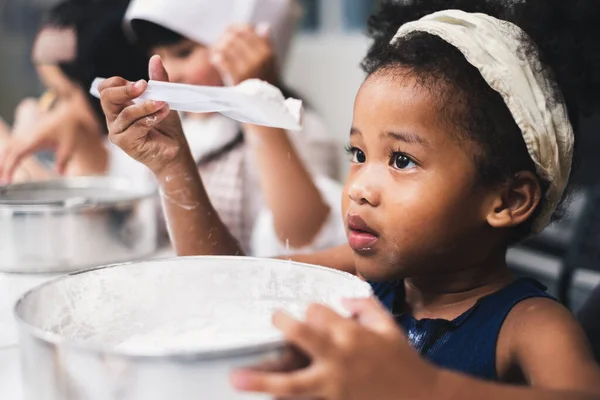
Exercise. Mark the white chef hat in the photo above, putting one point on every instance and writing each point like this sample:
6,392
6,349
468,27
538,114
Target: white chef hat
204,21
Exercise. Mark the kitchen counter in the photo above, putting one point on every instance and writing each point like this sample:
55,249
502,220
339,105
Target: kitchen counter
12,287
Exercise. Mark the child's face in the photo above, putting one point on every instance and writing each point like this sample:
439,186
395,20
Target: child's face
189,62
411,201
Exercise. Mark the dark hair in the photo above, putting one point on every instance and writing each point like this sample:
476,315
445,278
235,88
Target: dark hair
149,35
102,48
562,34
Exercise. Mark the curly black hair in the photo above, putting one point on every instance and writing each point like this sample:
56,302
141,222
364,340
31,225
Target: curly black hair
561,34
102,47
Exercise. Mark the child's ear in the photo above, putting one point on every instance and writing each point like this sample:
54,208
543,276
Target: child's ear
516,201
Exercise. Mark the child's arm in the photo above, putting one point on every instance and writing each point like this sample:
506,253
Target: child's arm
289,190
152,135
194,226
545,342
452,385
368,357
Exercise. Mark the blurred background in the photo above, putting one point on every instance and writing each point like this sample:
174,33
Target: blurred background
324,66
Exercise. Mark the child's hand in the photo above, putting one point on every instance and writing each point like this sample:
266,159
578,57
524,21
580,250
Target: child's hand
361,359
244,52
148,132
27,114
58,130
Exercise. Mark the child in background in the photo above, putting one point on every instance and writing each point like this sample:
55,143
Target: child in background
259,179
78,40
274,190
462,144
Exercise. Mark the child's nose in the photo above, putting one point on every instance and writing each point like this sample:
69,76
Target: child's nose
364,189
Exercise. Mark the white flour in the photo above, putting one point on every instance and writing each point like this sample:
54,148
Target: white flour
256,87
242,326
187,305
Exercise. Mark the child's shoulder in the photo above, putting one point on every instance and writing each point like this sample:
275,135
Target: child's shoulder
537,316
543,340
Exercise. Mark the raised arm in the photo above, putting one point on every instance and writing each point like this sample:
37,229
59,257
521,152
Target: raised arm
152,134
290,193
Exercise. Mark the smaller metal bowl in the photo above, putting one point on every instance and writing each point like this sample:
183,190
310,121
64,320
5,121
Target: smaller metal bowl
68,224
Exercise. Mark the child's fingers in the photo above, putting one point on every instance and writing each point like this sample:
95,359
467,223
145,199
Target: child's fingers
341,330
3,155
156,69
115,81
4,129
301,383
324,318
118,94
28,109
238,53
10,160
63,154
247,41
138,129
226,66
253,47
370,313
240,49
291,359
134,113
302,335
252,35
233,59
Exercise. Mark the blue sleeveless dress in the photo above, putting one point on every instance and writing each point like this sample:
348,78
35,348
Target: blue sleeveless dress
468,343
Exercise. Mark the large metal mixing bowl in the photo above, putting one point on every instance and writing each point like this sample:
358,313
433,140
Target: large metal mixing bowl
164,329
68,224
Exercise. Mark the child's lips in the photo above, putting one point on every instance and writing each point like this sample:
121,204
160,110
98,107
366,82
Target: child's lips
361,241
361,237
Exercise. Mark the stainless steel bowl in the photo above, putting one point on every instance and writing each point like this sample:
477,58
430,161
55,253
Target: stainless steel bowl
68,224
164,329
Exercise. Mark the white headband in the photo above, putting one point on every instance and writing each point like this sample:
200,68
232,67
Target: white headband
493,47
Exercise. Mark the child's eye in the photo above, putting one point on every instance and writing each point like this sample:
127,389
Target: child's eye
402,161
184,53
358,156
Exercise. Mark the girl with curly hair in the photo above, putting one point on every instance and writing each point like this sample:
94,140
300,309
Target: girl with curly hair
462,144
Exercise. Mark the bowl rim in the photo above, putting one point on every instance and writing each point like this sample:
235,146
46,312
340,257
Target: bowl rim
128,193
274,344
